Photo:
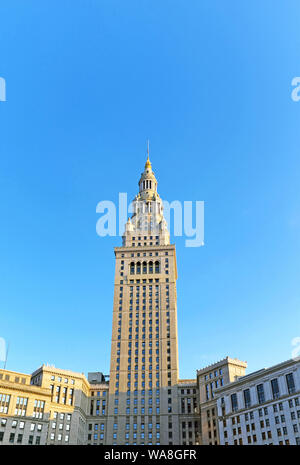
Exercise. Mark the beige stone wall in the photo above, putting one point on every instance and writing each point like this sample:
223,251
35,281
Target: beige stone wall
24,410
132,290
214,376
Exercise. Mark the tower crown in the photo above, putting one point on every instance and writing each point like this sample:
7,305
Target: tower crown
147,218
147,182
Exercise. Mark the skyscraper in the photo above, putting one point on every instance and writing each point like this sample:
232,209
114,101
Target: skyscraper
143,387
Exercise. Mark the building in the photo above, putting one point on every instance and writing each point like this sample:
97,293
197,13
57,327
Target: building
24,414
262,407
143,403
52,406
209,379
68,403
96,419
189,414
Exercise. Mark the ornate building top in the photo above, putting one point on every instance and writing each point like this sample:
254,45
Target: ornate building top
147,219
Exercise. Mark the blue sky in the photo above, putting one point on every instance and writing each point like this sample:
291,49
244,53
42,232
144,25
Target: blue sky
209,83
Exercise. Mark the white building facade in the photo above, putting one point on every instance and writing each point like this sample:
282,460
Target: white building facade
262,407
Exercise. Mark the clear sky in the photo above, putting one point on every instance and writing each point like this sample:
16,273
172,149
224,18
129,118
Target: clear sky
209,83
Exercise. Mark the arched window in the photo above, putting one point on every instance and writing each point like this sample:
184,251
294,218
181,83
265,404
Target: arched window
144,268
157,267
132,268
150,267
138,268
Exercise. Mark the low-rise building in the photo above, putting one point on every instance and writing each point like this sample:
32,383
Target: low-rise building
96,432
189,419
262,407
209,379
51,406
24,413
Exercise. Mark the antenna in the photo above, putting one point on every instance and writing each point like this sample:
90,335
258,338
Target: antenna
6,355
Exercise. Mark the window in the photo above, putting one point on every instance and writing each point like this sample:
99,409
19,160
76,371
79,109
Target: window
247,398
290,383
156,267
32,426
150,267
275,388
260,393
21,406
295,427
234,403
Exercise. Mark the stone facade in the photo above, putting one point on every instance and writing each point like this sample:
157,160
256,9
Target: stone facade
209,379
189,412
143,406
262,407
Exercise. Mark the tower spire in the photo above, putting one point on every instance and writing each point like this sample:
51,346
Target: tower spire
148,163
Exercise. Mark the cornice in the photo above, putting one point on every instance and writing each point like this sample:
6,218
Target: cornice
151,248
259,375
224,361
33,389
